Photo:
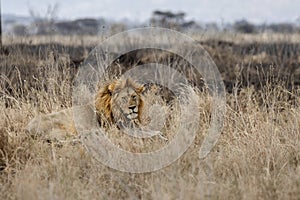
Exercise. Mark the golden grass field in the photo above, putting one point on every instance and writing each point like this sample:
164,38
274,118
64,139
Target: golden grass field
257,155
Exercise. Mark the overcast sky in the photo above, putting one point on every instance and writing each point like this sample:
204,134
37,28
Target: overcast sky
257,11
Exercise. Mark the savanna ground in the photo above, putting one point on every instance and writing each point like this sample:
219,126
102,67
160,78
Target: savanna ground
257,155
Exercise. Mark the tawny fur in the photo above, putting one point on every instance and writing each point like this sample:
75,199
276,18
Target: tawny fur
103,99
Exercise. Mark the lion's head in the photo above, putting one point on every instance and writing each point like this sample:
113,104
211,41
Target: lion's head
120,102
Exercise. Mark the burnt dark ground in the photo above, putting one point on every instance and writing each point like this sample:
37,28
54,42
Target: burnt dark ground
241,65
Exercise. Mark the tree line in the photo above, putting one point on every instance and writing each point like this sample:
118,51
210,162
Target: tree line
174,20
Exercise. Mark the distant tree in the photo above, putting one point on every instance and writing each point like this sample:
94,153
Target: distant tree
244,26
169,16
169,19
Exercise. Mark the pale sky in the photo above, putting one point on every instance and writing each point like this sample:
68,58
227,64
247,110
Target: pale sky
256,11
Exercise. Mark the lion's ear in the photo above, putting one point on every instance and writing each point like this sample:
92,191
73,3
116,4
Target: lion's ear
140,89
111,88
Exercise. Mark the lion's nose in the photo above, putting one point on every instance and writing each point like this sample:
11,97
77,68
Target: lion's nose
132,107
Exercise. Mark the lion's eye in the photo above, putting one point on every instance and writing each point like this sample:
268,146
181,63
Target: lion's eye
134,97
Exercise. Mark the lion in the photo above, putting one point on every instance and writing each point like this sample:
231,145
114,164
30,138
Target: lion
117,102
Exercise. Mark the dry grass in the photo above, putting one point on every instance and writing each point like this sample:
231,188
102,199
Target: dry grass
224,36
257,155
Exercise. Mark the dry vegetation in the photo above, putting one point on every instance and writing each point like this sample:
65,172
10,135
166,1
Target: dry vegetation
257,155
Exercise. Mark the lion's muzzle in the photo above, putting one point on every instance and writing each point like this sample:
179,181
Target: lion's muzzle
133,112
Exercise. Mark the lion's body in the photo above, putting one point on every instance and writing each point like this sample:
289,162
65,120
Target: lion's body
119,101
60,125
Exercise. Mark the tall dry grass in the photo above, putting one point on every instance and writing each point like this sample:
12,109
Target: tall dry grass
256,157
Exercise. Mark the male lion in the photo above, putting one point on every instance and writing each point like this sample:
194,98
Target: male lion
118,102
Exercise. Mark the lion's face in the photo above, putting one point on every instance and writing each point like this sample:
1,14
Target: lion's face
125,103
121,102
